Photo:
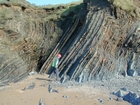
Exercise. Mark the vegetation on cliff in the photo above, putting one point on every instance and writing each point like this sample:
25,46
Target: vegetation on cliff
130,6
93,38
28,34
55,12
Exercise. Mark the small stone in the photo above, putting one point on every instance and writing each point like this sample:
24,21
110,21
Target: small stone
124,89
41,102
113,93
103,85
32,73
55,91
69,87
65,96
31,86
50,89
119,99
101,101
110,98
119,93
131,72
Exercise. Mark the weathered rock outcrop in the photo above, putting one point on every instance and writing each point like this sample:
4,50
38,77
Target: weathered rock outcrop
101,42
26,39
105,46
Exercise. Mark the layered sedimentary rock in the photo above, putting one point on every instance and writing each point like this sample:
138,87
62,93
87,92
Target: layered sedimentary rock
105,45
26,39
99,42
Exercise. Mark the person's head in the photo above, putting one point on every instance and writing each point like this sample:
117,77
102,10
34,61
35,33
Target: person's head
59,55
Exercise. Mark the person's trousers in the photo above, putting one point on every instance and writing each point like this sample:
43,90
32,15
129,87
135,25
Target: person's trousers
55,72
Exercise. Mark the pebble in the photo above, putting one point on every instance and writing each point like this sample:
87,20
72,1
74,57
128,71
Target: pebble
41,102
65,96
119,99
119,93
101,101
124,89
110,98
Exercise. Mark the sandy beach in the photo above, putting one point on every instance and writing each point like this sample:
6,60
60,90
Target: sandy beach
20,94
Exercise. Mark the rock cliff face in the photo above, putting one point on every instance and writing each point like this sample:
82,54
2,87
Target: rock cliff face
26,39
105,46
101,42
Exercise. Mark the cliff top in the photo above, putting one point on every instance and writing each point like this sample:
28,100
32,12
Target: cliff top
130,6
46,12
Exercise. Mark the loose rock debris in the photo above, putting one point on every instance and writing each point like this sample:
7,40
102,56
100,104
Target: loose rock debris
31,86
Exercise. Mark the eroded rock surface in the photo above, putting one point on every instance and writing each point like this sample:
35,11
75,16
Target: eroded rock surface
26,39
99,42
105,46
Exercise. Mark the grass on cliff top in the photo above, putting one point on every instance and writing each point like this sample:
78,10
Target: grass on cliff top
6,14
75,9
16,2
28,4
63,12
56,11
127,5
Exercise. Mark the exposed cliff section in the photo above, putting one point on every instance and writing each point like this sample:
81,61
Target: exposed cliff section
106,45
27,36
99,41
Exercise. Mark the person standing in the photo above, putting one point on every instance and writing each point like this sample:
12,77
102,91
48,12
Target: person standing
55,64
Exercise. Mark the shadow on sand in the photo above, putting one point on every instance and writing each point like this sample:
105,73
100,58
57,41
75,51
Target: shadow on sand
43,79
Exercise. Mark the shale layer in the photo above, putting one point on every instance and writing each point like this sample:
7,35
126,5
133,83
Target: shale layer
105,45
97,40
